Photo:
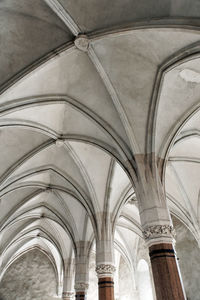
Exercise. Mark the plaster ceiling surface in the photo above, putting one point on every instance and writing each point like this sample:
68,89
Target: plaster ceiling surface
75,115
106,14
182,174
29,30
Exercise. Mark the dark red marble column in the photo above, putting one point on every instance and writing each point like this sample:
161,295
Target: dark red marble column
165,272
106,288
80,296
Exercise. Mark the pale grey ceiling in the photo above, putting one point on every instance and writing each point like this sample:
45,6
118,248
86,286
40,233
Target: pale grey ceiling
73,123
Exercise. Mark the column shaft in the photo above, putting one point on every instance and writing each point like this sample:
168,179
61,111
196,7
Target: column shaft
80,296
106,288
165,272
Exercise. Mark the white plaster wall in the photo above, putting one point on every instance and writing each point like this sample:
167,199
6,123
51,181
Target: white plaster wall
144,281
125,282
31,277
189,260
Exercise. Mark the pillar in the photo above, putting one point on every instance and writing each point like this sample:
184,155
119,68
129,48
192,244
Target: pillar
158,234
105,273
165,272
82,270
105,267
68,279
167,282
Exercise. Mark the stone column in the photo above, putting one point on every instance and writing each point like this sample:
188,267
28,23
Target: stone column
82,270
68,281
158,233
105,273
105,268
168,285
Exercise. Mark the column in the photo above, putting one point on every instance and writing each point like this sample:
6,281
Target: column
105,269
68,280
165,272
82,270
105,273
158,234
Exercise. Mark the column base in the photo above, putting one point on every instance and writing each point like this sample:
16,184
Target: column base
165,272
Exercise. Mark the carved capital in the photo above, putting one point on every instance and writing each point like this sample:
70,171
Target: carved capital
105,270
158,231
67,295
81,286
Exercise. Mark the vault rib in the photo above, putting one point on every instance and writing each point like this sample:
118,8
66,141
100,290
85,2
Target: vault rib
63,15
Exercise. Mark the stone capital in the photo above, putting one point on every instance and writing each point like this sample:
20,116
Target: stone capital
81,286
105,270
67,295
158,234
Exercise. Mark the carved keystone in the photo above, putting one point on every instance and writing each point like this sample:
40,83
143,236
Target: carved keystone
82,42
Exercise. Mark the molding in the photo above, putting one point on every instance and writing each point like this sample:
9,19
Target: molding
133,224
22,103
114,97
159,233
27,70
186,199
61,12
20,250
186,24
187,134
105,270
181,56
186,159
5,176
182,23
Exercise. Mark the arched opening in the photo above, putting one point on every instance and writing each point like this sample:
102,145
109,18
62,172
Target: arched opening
189,259
144,281
31,276
125,281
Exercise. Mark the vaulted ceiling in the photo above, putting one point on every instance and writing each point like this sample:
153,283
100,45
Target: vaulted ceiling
86,87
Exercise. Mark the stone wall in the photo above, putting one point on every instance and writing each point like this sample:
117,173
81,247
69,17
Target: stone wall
31,277
188,253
